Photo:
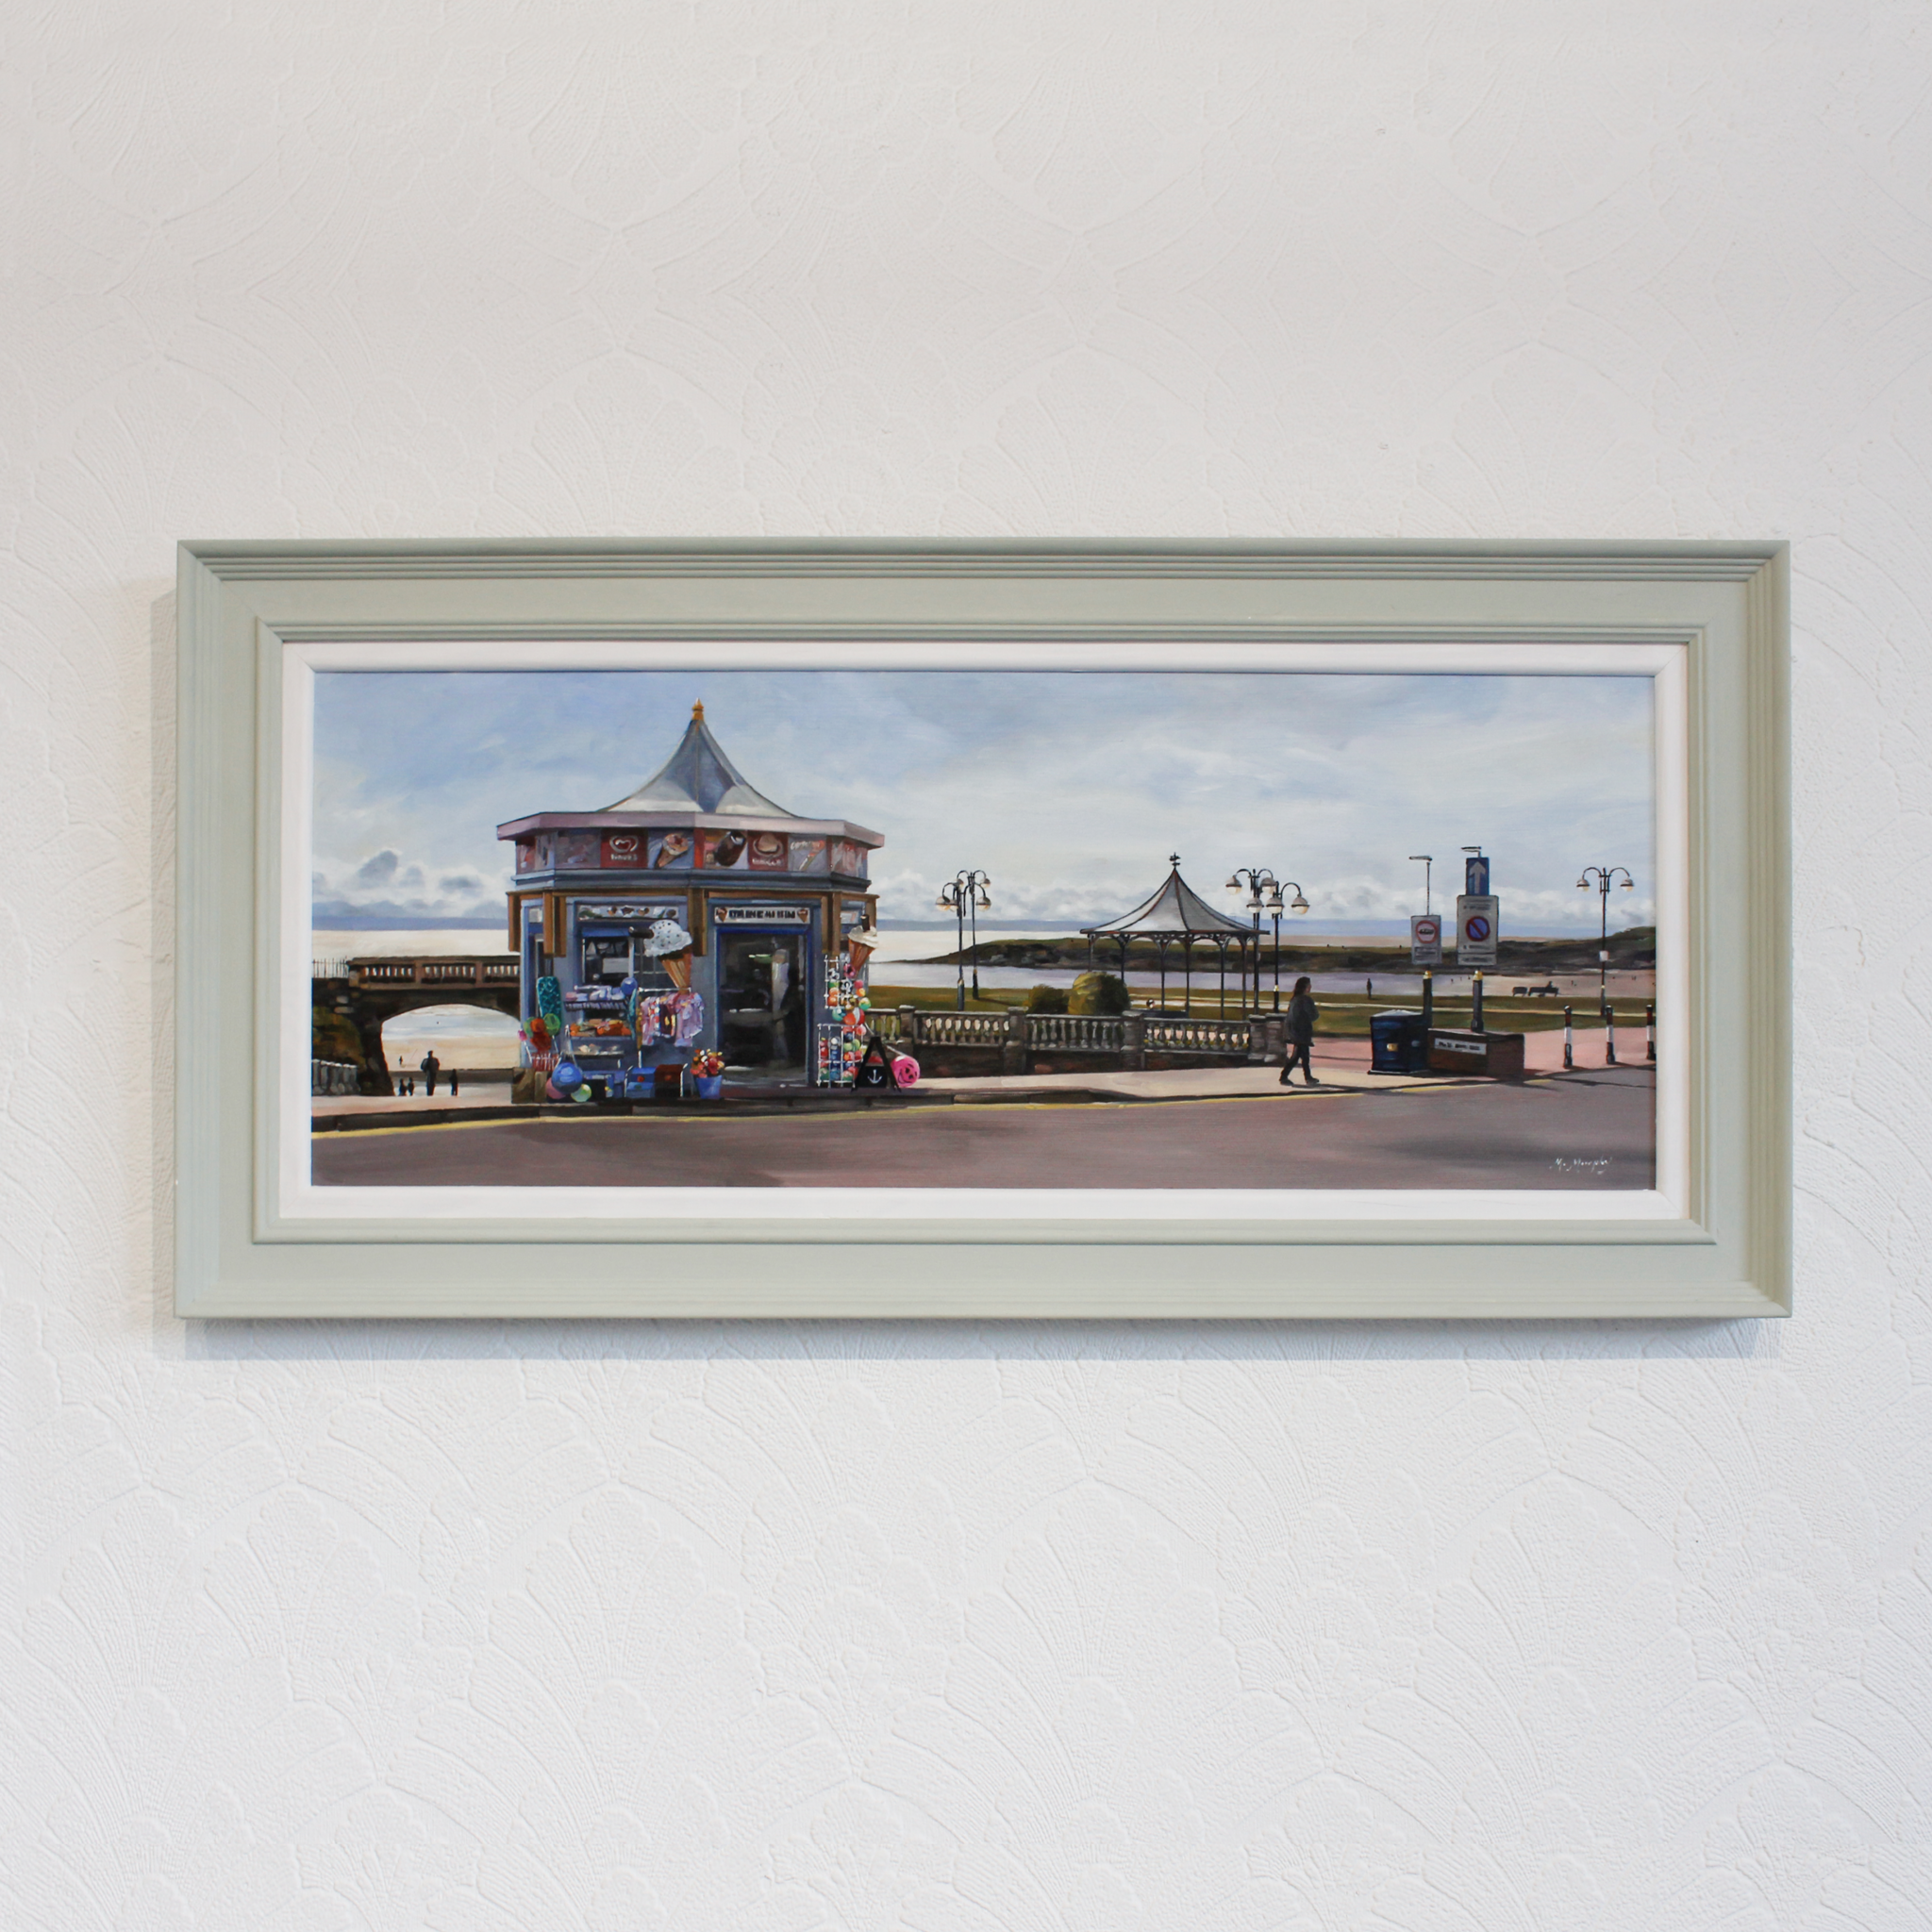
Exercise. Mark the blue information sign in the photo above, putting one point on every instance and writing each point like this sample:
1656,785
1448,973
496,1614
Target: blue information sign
1475,878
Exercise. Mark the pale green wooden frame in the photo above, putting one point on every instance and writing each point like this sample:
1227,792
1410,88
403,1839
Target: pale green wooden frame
1727,602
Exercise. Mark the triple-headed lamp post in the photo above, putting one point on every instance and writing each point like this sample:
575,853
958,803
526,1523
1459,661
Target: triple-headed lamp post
1604,877
965,897
1264,895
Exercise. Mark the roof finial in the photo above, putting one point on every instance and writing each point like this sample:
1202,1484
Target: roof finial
1174,859
697,711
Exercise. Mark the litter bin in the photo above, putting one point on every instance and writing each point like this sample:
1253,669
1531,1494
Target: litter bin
1398,1043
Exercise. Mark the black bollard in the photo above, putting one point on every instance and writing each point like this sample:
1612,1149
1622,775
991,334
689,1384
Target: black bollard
1428,999
1650,1033
1569,1041
1610,1036
1476,1001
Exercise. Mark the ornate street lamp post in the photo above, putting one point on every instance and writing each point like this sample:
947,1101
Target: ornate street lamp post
965,897
1264,895
1604,877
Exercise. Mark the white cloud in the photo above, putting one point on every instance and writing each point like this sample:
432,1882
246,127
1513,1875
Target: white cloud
1070,788
391,889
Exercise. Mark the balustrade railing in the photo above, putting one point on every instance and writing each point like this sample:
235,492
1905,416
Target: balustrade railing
1076,1033
1127,1034
962,1029
438,972
1197,1036
332,1077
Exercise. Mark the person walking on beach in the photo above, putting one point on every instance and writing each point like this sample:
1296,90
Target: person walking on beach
1302,1014
429,1067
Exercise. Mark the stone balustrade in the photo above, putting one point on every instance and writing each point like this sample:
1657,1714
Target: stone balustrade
1014,1041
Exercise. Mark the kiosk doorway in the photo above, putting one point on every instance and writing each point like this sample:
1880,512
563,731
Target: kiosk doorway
763,985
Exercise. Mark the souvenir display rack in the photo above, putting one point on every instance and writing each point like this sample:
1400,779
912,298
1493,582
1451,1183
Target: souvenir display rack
841,1032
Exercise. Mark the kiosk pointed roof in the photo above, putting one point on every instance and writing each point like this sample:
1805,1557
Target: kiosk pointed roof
1175,909
698,776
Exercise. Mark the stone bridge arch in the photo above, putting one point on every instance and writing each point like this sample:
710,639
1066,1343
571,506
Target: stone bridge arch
367,993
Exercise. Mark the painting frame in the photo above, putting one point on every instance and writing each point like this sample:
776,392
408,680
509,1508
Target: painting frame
244,606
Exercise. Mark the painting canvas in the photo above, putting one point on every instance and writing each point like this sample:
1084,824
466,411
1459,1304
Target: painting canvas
772,928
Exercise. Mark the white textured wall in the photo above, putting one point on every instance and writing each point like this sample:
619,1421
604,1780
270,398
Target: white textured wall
1469,1628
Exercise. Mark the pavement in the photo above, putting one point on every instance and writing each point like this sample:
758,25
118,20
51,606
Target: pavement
1341,1064
472,1093
1590,1130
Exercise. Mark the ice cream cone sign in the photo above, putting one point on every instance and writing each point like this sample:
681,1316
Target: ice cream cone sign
861,943
669,946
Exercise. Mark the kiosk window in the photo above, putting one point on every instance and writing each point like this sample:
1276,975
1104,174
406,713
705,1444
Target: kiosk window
610,958
606,958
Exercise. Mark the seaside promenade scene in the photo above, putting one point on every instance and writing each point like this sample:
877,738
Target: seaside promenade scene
696,986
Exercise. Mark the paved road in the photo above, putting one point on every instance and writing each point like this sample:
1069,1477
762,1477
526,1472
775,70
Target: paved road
1587,1131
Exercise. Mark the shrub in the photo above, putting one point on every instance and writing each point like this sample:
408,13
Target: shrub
1098,992
331,1037
1046,999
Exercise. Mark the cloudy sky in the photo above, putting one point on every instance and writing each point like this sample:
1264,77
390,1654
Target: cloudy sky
1069,788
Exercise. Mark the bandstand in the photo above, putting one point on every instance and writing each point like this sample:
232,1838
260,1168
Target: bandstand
1177,915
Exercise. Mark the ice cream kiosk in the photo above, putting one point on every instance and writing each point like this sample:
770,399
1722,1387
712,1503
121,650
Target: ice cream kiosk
694,916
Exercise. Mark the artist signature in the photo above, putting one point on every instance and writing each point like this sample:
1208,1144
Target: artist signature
1564,1165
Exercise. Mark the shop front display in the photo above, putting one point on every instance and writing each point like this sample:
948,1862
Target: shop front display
760,899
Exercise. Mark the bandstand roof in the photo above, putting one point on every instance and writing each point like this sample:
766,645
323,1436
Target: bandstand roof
1174,911
698,776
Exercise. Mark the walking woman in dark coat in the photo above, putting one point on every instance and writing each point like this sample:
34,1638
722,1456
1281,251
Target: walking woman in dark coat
1302,1014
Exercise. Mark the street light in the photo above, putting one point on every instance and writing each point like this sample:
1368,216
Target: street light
1428,866
1261,885
1298,905
1264,895
1606,878
965,897
1476,987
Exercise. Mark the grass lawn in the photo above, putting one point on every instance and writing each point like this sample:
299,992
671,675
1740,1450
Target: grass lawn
1344,1015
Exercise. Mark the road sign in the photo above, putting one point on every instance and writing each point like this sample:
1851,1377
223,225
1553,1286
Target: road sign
1475,876
1477,922
1426,939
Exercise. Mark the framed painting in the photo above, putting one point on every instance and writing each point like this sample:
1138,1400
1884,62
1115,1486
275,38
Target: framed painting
1052,929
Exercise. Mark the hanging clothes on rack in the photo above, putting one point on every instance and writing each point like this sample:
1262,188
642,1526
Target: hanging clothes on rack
687,1016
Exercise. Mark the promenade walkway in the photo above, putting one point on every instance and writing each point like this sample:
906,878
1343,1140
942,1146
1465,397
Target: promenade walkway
1340,1065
